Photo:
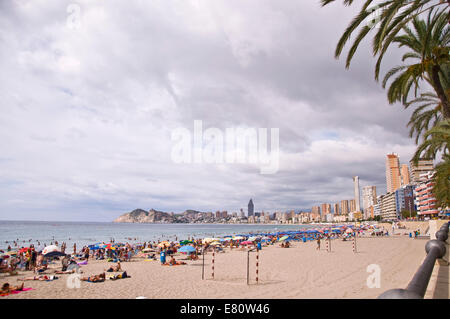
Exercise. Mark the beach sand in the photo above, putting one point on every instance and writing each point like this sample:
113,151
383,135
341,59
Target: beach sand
297,272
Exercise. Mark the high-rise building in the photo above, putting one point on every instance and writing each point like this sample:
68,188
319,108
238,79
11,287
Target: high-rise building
325,209
357,200
404,172
344,207
404,198
389,207
251,208
377,208
393,179
352,205
369,194
315,213
423,167
336,209
426,202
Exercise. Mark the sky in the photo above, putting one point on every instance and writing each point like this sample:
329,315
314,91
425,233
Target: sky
92,92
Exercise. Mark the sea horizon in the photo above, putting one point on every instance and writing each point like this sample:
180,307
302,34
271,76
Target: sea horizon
42,233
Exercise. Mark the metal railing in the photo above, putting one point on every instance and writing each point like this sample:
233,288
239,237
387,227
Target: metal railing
418,286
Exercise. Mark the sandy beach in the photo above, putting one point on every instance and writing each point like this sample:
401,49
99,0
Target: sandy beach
296,272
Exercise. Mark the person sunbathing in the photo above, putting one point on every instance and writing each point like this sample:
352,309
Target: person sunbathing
72,271
173,262
120,276
115,268
6,288
94,278
9,269
193,257
41,268
40,277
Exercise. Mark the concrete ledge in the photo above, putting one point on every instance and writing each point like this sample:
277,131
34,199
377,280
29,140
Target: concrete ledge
439,285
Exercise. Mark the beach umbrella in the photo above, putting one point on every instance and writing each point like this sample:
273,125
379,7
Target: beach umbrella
253,238
10,253
163,244
238,237
215,243
49,249
283,238
209,240
247,242
54,253
186,249
148,250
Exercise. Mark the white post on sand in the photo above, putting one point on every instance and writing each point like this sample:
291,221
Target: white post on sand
326,243
203,264
354,243
213,255
257,264
248,266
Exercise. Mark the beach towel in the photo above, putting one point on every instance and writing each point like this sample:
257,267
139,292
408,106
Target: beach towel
83,263
15,292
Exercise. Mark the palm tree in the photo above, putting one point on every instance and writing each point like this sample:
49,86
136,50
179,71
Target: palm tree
437,139
429,44
441,188
394,15
426,115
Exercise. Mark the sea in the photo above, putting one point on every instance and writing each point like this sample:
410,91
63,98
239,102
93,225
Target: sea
43,233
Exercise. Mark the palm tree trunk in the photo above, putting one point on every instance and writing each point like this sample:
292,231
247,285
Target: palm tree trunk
440,91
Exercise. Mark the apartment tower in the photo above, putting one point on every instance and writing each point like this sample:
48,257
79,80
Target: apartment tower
424,166
404,172
356,186
344,207
393,179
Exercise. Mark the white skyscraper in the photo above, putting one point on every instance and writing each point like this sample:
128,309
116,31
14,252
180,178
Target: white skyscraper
369,194
356,185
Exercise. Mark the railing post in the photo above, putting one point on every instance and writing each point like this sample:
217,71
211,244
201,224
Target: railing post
417,287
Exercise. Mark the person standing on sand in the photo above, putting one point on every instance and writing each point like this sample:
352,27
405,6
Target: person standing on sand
318,243
86,253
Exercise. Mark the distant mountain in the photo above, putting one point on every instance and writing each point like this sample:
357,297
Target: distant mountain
142,216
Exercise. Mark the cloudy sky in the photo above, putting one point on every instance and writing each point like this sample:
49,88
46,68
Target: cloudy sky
91,92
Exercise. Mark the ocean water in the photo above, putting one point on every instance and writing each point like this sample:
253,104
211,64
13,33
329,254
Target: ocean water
86,233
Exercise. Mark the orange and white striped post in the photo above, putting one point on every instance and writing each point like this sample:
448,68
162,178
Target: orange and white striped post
354,243
326,243
257,264
212,264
